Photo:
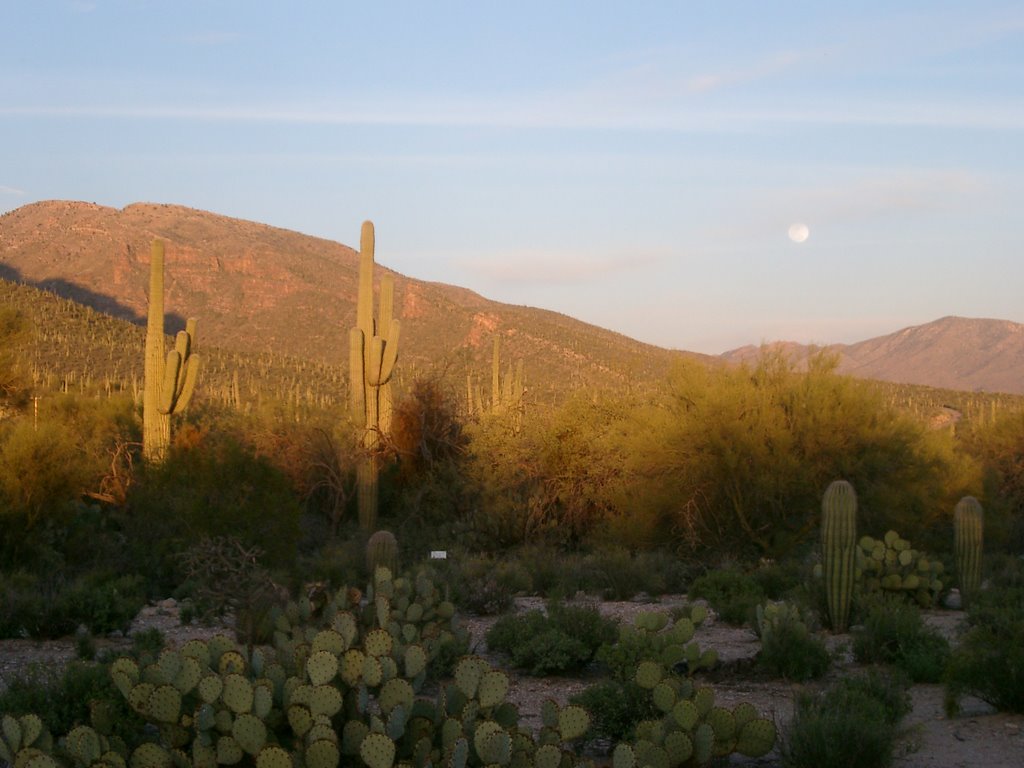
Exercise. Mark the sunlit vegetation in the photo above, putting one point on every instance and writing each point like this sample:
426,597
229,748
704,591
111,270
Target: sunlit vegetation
708,480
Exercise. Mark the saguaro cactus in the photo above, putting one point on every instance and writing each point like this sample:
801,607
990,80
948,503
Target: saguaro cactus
506,391
373,351
968,531
382,551
171,380
838,550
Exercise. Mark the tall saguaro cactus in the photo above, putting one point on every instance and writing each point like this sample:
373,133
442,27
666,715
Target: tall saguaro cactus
373,351
171,380
838,550
968,531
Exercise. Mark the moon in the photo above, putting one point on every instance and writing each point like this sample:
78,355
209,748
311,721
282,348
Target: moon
798,232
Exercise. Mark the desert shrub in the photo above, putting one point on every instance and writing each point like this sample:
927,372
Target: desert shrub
989,661
621,656
226,575
550,570
338,562
1005,571
41,476
484,585
733,595
64,698
210,489
615,709
894,633
23,604
791,651
44,605
778,579
852,724
561,641
617,574
147,644
103,602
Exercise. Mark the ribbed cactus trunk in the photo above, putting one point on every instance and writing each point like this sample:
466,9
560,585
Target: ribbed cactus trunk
382,551
156,426
171,380
373,351
968,532
838,550
496,375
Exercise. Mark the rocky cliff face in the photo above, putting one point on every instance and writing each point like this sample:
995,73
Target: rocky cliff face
257,287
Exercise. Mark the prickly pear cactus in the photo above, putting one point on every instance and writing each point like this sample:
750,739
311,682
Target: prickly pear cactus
893,566
838,550
968,532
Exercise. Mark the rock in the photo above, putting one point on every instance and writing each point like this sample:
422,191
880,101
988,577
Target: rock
953,600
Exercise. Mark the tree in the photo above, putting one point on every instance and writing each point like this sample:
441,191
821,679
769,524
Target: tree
745,453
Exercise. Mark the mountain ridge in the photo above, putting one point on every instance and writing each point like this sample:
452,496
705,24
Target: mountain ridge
952,352
254,287
257,287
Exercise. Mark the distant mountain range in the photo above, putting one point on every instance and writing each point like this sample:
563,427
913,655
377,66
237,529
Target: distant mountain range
258,288
960,353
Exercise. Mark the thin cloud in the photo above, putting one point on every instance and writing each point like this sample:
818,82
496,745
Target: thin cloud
551,115
11,191
548,267
82,6
770,67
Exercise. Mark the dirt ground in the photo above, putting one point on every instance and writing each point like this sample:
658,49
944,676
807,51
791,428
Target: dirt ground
977,738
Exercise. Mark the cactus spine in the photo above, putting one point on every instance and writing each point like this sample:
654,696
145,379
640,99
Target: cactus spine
968,529
373,350
838,550
169,382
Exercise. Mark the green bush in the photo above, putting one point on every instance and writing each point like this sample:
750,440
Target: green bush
615,709
733,595
790,651
615,573
214,488
852,724
779,579
43,605
485,585
562,641
989,662
894,633
103,603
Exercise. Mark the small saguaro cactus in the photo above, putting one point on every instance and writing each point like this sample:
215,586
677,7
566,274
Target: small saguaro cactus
373,351
506,391
838,550
171,380
968,530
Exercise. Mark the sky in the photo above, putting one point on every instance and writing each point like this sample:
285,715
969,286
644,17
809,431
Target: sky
637,165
